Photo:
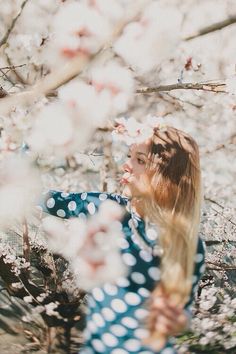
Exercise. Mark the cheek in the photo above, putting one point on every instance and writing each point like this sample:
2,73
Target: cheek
143,185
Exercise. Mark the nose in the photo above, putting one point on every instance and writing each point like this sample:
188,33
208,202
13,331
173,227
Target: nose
127,166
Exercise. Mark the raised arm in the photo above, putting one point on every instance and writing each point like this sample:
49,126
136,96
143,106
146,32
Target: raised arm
68,205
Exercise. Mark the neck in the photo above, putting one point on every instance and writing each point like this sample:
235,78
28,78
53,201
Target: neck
138,207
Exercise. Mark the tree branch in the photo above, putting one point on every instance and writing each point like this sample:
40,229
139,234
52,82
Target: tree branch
230,140
218,212
220,266
212,28
71,69
26,243
7,34
217,86
3,93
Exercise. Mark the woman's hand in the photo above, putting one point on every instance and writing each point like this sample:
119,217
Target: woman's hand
167,318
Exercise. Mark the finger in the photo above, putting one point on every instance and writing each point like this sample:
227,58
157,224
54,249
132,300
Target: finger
163,328
162,305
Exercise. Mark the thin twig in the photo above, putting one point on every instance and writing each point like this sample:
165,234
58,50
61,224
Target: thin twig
15,71
218,212
229,141
12,67
7,34
7,77
196,105
26,243
212,28
218,86
221,266
3,93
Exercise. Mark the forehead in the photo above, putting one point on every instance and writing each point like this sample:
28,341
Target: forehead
142,147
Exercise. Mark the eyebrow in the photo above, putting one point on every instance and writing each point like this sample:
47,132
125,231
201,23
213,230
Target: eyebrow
141,153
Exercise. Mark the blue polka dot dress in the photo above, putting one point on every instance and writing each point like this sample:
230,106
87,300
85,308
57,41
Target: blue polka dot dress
117,311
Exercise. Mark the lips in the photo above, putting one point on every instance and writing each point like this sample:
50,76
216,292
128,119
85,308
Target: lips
125,178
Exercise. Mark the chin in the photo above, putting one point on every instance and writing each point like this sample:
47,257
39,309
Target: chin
127,192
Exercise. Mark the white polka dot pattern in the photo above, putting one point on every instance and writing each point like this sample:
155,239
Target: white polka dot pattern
141,314
199,258
129,259
129,322
119,351
64,194
110,289
91,208
132,299
138,278
50,203
109,339
141,333
123,243
144,292
146,256
102,197
83,196
119,305
98,345
61,213
132,345
118,330
151,234
167,351
154,273
97,318
108,314
98,294
122,282
72,205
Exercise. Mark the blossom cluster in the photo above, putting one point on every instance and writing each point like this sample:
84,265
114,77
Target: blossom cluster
130,131
91,246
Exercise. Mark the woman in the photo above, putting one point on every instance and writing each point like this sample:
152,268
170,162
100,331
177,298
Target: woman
136,314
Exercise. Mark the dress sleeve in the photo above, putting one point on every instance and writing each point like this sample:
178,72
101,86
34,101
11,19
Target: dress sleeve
68,205
199,270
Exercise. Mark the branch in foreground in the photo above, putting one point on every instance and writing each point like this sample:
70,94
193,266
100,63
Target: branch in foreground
71,69
212,28
218,86
3,93
7,34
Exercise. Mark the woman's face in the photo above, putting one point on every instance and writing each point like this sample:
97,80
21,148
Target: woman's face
135,179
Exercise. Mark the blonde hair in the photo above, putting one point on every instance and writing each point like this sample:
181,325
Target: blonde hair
174,205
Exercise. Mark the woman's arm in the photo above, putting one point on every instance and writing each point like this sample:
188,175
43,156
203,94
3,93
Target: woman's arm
68,205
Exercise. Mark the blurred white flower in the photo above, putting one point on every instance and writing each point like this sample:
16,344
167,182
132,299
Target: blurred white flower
91,247
19,188
91,109
79,28
28,299
58,129
111,9
145,43
231,85
116,81
65,237
130,131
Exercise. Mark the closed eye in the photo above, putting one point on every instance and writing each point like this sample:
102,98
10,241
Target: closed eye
140,161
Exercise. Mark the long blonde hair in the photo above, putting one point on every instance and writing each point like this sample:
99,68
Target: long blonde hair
174,205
